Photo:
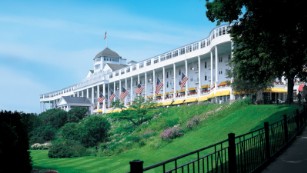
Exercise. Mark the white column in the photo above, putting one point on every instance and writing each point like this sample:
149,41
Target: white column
232,96
174,81
216,67
104,100
98,95
131,89
77,93
211,71
87,93
119,89
163,78
186,84
109,93
126,87
114,90
145,85
93,97
199,81
154,84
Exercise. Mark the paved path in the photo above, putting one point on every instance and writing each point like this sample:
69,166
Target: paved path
292,160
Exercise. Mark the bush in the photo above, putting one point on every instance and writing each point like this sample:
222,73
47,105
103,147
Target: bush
66,149
171,133
94,129
193,122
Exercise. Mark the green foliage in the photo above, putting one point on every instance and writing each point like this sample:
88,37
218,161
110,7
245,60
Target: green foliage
14,144
94,129
216,122
139,112
264,48
66,149
76,114
71,131
42,134
54,117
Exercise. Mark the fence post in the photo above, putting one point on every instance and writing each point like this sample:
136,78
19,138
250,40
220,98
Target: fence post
232,163
286,132
136,166
297,121
267,141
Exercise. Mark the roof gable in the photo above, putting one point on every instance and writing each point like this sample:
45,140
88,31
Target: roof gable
107,53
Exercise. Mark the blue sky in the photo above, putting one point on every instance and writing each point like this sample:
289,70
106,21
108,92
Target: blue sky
49,45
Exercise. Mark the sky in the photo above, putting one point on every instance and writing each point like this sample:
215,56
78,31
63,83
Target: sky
49,45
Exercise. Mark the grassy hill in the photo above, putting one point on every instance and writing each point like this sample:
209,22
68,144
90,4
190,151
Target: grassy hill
145,143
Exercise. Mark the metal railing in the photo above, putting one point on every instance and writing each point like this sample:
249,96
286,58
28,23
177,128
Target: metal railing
249,152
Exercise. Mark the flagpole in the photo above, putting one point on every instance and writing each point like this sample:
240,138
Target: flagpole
105,38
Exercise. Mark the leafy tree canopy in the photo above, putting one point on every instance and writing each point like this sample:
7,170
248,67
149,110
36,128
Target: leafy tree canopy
269,39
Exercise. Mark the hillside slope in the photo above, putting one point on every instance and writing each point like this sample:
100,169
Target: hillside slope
216,122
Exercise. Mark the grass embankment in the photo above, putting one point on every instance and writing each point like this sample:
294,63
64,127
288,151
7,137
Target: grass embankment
216,122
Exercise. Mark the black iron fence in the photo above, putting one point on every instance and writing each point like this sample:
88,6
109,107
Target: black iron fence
249,152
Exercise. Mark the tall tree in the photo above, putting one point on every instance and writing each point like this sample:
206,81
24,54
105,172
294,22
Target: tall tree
269,39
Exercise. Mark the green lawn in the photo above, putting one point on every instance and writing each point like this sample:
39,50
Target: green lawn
237,119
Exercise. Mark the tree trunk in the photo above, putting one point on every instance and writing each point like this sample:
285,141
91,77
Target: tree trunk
290,90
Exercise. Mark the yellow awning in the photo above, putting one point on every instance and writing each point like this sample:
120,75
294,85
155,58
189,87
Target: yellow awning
203,98
222,93
180,91
166,103
205,86
113,110
276,90
176,102
191,89
189,100
224,83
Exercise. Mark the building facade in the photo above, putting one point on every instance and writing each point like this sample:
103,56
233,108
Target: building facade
195,72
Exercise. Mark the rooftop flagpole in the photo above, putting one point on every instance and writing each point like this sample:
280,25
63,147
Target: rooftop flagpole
105,38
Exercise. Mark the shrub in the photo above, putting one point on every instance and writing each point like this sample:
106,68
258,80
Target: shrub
193,122
66,149
171,133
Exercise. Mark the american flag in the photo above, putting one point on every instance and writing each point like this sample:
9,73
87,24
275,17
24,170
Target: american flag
112,96
158,86
184,79
139,89
100,98
123,94
105,35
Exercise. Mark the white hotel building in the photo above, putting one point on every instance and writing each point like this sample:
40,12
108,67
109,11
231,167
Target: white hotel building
204,62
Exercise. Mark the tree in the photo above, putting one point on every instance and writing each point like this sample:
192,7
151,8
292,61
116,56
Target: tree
76,114
94,129
138,112
54,117
14,144
264,47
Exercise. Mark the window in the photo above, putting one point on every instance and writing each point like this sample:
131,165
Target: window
195,46
205,77
205,64
220,59
229,57
182,51
203,44
179,71
189,49
166,84
166,74
162,58
168,55
175,53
